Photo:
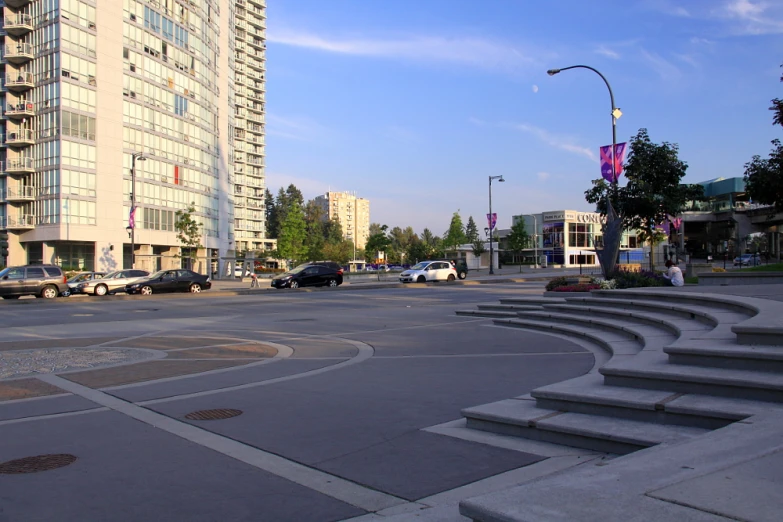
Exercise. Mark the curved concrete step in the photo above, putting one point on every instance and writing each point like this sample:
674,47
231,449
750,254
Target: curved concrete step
706,314
726,354
523,418
714,301
588,395
639,332
486,313
615,343
531,300
510,307
652,370
676,325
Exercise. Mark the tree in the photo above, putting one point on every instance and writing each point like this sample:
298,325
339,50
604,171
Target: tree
455,236
313,215
188,233
293,233
478,249
518,239
377,242
471,230
764,176
271,215
333,231
653,191
340,251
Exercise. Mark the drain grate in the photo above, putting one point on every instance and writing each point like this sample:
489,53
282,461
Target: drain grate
36,464
213,414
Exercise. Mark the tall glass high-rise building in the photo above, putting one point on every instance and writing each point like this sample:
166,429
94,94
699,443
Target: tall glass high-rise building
88,85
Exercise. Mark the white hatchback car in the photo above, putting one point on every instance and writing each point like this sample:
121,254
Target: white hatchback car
429,271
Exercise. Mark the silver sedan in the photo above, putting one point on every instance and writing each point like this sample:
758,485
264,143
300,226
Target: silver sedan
111,283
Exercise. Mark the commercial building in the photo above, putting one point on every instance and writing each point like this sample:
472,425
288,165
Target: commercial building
353,214
88,86
569,238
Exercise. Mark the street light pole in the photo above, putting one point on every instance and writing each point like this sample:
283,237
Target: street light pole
616,113
489,219
136,156
535,239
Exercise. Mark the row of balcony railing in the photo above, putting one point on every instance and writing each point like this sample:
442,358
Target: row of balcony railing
19,222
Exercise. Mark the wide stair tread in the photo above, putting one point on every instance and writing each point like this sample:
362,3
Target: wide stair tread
600,335
487,313
712,300
705,312
620,325
531,300
525,414
676,324
510,307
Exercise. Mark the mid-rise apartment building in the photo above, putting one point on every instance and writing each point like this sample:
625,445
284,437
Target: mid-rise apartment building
353,214
95,94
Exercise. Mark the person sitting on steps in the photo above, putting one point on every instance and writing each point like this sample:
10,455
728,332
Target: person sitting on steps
674,274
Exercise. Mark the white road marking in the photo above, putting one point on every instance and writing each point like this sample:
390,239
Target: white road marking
330,485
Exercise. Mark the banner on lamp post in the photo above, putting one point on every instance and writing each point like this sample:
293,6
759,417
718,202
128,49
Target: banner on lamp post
492,219
132,218
606,161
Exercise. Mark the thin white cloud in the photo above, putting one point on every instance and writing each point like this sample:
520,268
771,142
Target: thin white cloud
701,41
543,176
293,127
665,69
668,7
755,18
559,142
476,52
609,53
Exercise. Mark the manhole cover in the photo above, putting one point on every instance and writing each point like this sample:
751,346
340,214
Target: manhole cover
36,464
213,414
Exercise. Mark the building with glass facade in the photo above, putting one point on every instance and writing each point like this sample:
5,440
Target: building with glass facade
86,85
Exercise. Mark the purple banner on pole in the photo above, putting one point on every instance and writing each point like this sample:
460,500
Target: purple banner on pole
132,218
606,161
492,220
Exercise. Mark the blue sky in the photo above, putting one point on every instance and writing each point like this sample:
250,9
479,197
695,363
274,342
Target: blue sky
412,104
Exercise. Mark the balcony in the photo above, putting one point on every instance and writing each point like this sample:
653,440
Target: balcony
19,81
18,25
19,53
17,3
20,194
20,138
19,110
23,222
19,166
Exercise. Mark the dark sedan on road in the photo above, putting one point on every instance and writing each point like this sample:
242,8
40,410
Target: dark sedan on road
308,275
171,281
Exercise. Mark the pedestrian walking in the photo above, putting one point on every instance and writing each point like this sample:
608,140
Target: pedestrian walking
253,280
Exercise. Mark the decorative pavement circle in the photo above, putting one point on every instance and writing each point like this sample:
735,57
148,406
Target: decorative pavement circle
25,363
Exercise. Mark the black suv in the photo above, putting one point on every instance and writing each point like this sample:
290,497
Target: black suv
460,265
331,264
47,281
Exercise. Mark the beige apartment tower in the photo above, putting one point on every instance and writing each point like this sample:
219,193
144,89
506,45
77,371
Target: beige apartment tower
353,214
88,86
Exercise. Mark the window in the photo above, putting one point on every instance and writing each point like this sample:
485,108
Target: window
35,273
15,273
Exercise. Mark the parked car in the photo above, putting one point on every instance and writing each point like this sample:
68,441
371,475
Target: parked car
308,275
461,266
81,277
47,281
747,260
331,264
429,271
170,281
111,283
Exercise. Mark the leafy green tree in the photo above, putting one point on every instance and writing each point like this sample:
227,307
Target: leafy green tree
333,231
188,231
478,249
471,230
377,228
518,239
293,233
653,190
764,176
417,251
314,214
455,236
377,242
340,251
271,215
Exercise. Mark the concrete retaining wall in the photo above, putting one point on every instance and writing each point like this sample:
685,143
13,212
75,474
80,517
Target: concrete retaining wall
740,278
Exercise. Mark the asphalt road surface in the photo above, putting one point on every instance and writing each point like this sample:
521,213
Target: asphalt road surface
331,394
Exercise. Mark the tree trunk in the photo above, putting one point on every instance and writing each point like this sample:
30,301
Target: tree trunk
613,232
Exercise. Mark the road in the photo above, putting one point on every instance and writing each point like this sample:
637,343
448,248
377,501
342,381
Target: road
337,393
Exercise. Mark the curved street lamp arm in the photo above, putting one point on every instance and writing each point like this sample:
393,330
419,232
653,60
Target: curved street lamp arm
552,72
